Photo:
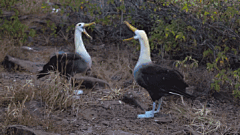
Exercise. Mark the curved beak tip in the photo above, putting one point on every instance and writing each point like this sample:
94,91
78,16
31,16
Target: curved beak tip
130,26
89,24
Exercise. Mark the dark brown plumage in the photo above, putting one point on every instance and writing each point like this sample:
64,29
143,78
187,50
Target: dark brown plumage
66,63
158,81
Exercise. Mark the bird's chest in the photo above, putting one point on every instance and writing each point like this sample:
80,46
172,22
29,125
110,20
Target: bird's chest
148,81
136,74
139,77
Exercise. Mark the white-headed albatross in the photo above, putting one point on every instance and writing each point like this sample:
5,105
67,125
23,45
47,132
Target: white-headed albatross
68,63
158,81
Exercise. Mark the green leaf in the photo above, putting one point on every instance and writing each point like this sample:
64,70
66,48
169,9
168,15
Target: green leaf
166,35
191,28
206,13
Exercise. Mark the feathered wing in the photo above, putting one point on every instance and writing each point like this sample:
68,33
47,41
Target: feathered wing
160,81
68,56
61,63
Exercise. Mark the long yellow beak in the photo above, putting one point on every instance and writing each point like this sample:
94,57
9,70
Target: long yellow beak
89,24
128,39
86,25
85,32
131,28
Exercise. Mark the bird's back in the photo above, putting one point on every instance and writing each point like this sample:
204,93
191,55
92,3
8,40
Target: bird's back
66,63
159,81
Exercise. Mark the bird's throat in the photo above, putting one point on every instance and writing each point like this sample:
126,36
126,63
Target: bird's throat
144,57
80,48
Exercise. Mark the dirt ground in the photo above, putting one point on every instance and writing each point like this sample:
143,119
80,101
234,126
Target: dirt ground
102,110
49,106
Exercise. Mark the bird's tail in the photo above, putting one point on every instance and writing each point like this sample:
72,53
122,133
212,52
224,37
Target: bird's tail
41,74
188,96
183,93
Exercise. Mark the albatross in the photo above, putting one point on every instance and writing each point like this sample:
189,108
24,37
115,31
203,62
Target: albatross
158,81
70,63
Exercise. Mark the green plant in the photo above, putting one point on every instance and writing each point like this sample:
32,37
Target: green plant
194,63
8,4
13,27
216,15
168,36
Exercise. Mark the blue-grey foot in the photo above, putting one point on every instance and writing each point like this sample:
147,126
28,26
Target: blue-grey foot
78,92
151,111
148,114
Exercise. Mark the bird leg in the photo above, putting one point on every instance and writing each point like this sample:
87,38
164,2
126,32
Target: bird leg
148,114
159,105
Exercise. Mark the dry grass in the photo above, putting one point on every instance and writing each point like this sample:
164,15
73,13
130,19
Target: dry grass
56,94
13,100
196,118
6,45
114,68
199,118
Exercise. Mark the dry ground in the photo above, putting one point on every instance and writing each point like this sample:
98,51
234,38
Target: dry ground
50,105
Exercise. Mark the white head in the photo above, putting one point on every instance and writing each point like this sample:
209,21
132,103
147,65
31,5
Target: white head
141,35
81,28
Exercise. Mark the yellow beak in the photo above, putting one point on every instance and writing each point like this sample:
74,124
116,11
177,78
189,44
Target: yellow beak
86,25
131,28
85,32
89,24
128,39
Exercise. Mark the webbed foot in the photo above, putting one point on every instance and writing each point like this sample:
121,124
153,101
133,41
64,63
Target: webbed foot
148,114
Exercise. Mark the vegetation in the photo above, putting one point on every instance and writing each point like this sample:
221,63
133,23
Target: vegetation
213,39
194,33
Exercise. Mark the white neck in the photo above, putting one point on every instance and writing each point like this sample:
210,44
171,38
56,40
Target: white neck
144,57
80,48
